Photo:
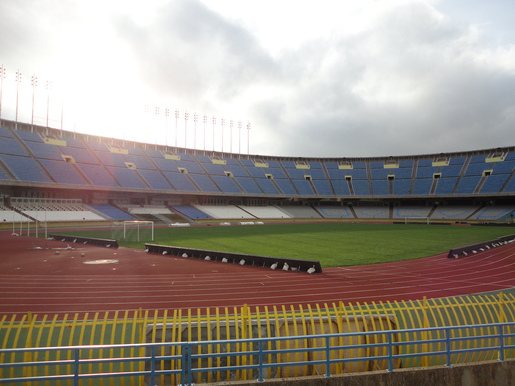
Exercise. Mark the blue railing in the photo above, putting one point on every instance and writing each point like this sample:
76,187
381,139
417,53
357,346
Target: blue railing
190,353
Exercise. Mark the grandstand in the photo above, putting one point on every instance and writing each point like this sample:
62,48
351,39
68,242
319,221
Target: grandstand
49,175
42,170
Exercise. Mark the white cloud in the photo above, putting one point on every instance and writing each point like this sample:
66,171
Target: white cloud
332,79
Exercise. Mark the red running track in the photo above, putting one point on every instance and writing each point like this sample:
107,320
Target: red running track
34,278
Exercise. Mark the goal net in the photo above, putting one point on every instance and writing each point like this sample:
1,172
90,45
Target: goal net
133,230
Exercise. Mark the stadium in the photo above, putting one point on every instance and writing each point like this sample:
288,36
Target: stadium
381,319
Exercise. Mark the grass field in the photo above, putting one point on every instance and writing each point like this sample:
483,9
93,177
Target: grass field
333,244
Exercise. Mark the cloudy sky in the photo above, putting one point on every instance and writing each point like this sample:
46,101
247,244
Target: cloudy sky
325,78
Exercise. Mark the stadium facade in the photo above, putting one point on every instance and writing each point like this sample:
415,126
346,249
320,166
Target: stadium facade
45,163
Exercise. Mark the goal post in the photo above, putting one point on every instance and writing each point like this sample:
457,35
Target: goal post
133,230
416,220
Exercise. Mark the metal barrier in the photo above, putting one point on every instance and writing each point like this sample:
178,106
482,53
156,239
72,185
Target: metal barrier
188,359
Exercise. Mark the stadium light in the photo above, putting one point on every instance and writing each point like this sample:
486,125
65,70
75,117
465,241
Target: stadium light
185,128
34,83
156,111
18,81
195,120
239,136
248,138
205,121
214,123
231,124
2,76
223,126
48,87
176,130
167,114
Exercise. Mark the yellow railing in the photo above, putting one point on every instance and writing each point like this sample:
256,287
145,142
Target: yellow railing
255,322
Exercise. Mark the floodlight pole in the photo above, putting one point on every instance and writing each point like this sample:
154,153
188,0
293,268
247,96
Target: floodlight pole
185,128
48,86
2,76
223,125
248,138
239,137
214,123
176,130
34,83
18,81
231,124
167,114
205,121
156,110
195,120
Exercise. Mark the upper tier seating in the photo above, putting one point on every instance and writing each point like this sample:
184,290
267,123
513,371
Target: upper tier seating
96,162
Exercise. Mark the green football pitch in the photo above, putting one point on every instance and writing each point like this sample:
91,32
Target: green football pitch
333,244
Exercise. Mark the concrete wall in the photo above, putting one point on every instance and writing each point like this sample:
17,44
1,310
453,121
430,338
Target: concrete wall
477,374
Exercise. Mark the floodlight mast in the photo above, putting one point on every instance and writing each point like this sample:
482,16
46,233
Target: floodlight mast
34,83
2,76
18,81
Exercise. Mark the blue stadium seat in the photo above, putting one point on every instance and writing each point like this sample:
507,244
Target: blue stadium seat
111,211
494,183
248,185
204,183
139,161
401,187
155,179
361,187
236,170
323,187
97,175
180,181
166,165
477,169
295,174
27,136
446,185
422,186
267,186
467,185
276,173
191,212
62,172
426,172
358,174
226,184
380,187
25,169
451,170
190,166
402,173
336,174
44,151
303,187
214,169
316,174
80,155
111,159
341,187
286,187
379,174
127,178
12,147
5,133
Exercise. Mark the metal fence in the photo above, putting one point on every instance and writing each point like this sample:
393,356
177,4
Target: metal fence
121,336
253,354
